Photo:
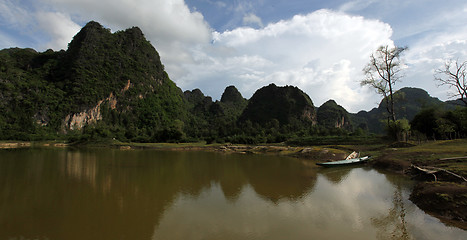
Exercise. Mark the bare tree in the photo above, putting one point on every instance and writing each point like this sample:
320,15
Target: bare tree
453,74
382,73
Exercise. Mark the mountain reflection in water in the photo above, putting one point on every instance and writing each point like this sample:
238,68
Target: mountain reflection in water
145,194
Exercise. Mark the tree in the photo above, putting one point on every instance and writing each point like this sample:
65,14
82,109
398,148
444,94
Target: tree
425,122
440,124
453,74
399,128
382,72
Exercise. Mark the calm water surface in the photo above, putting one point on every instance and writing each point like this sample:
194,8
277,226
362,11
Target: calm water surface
148,195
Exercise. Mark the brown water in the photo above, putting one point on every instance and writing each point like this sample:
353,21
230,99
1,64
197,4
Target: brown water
146,194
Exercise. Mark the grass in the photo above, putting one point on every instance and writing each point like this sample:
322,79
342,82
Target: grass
429,154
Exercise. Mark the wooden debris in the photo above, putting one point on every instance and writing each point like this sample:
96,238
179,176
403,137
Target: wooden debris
453,158
433,171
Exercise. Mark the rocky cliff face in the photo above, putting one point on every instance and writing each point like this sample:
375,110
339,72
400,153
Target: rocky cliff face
103,64
331,115
98,62
76,121
120,72
117,79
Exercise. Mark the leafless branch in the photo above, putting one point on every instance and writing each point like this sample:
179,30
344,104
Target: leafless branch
453,74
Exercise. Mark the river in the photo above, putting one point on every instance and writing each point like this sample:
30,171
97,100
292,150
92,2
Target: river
54,194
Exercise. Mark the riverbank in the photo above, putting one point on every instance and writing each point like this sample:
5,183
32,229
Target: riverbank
438,194
442,189
18,144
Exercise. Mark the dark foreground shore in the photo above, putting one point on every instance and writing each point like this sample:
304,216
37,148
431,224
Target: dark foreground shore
440,169
441,190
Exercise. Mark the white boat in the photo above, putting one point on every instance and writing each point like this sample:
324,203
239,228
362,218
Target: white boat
353,158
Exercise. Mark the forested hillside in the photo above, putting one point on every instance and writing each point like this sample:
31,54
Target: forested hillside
408,102
116,80
114,86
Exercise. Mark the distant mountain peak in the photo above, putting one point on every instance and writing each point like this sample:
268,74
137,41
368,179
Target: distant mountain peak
330,102
92,24
285,104
332,115
408,102
91,32
231,94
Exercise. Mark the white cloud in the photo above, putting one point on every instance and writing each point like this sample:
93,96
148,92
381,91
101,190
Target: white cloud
322,53
433,32
169,24
47,29
447,39
356,5
252,20
218,4
430,54
162,19
60,28
15,19
13,15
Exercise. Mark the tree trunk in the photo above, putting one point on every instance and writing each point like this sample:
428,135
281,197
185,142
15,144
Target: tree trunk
393,114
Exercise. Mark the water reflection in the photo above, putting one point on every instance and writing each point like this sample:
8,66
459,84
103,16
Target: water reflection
112,194
336,175
79,166
393,224
96,194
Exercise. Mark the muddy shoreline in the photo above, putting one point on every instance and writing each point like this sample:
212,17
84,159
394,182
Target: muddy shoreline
438,193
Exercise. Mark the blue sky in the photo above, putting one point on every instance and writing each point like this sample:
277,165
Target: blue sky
319,46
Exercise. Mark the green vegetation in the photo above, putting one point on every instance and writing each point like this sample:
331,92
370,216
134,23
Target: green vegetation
39,90
111,89
112,86
431,153
331,115
408,102
213,121
435,123
288,105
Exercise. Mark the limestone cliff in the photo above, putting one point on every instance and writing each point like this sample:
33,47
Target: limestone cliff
53,92
76,121
331,115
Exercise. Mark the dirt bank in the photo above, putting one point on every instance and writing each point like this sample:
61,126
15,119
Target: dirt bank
444,200
8,145
11,144
441,168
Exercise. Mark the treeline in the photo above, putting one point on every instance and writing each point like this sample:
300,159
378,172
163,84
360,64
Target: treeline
273,114
436,123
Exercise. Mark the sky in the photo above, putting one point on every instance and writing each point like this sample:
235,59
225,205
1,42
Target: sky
320,46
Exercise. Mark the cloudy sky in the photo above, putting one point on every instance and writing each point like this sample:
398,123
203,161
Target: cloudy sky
321,46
